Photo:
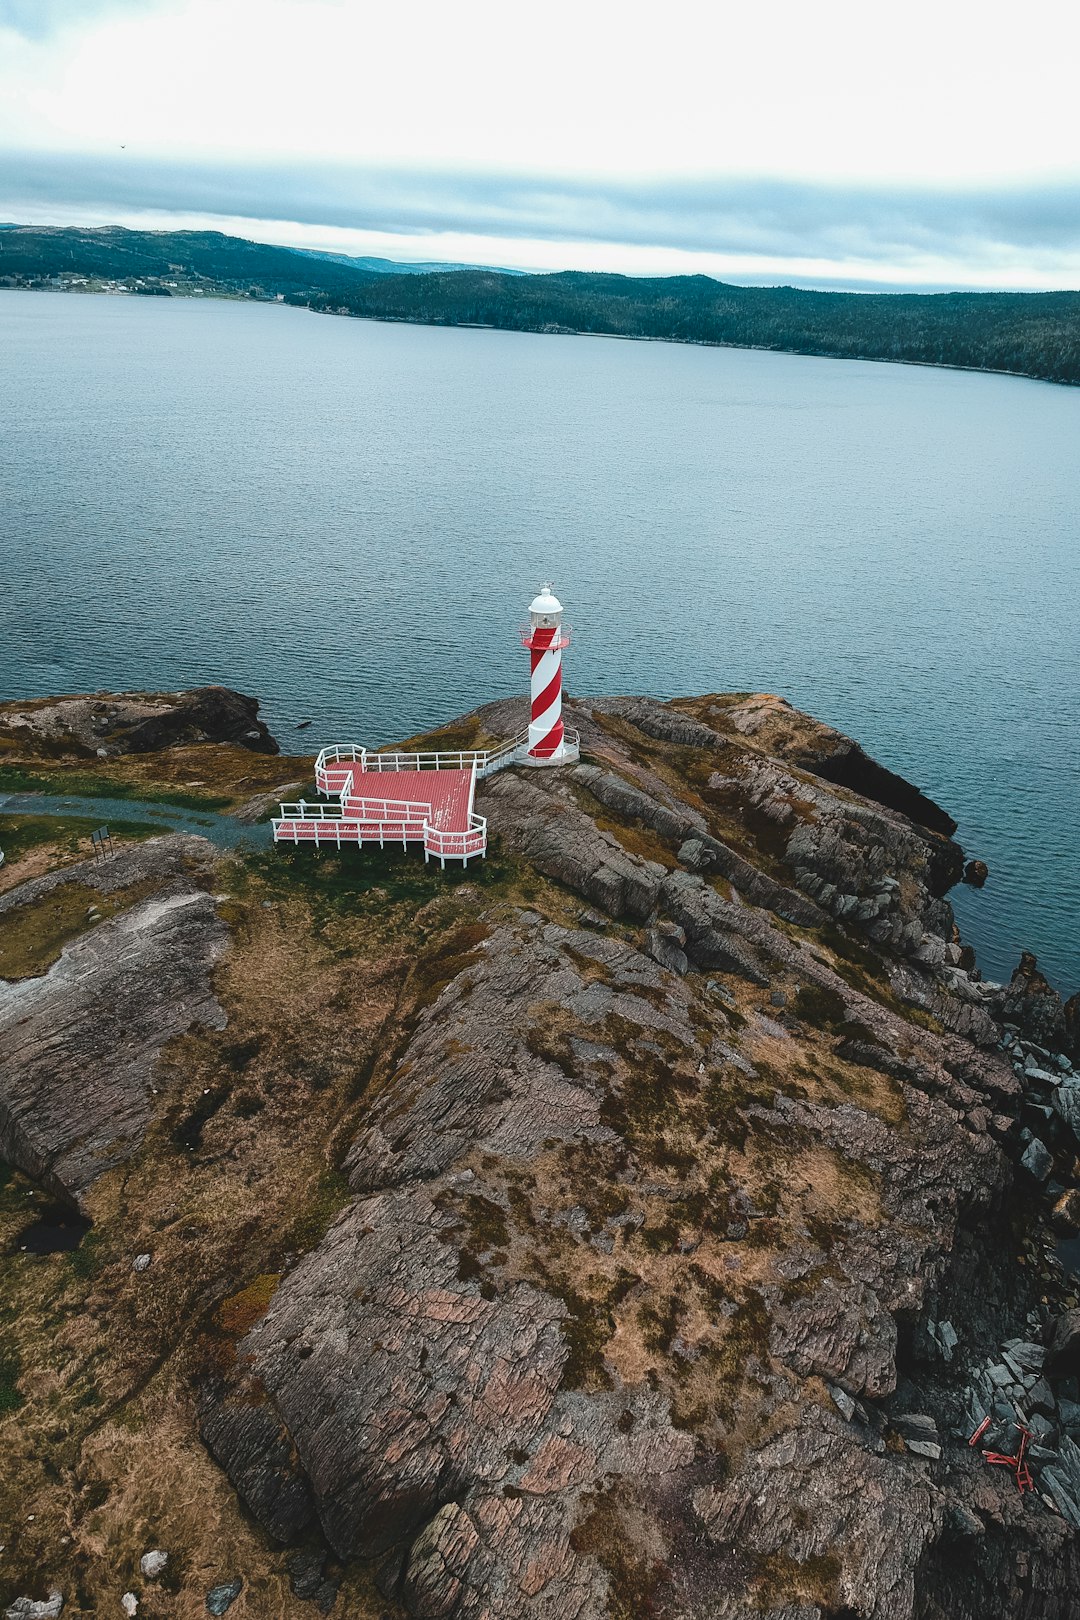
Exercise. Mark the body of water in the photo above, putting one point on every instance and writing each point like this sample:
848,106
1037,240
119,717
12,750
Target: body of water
349,519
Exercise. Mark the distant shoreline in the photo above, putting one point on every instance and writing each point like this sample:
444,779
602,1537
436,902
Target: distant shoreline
1012,334
692,343
227,295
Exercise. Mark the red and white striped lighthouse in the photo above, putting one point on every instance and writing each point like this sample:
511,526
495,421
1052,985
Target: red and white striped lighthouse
545,638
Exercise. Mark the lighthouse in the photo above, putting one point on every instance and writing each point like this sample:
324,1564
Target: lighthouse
426,796
545,639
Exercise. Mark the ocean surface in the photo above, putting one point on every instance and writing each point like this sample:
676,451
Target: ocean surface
349,519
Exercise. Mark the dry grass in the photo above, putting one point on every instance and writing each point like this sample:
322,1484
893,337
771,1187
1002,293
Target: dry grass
331,960
238,1174
213,775
109,1356
34,845
33,936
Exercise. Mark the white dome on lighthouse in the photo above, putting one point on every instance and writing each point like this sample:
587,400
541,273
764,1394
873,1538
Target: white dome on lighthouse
547,602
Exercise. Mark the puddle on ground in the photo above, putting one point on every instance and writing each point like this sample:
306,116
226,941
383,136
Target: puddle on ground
55,1231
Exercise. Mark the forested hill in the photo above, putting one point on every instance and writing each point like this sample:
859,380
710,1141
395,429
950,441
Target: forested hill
166,261
1032,334
1029,334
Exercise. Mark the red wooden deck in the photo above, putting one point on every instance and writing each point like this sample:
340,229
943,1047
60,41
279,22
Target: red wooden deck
449,794
433,807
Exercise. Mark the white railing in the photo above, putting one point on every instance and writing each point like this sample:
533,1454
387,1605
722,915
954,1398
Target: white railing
310,812
382,821
340,751
495,758
340,754
457,846
456,759
559,640
442,759
358,818
484,761
359,809
518,746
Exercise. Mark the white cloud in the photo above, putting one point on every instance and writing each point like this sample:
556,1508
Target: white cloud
477,99
941,88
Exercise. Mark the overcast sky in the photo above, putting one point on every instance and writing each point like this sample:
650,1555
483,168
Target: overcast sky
843,143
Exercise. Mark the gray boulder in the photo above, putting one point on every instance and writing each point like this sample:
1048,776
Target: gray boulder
222,1597
25,1608
1036,1160
81,1042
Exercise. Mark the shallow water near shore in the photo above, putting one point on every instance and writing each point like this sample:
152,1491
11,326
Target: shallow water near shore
348,520
222,830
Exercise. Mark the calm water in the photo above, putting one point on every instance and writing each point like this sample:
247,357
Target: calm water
348,520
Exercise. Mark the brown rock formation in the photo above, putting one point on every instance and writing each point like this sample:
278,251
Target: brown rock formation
81,1040
111,723
619,1224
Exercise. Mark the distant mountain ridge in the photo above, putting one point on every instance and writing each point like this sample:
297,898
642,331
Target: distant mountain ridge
113,252
398,267
1023,334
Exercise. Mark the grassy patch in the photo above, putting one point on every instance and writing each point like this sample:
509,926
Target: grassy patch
586,1329
345,883
19,834
852,951
817,1005
465,735
10,1368
435,969
238,1314
95,785
487,1222
87,1260
636,1577
330,1195
188,1131
780,1579
34,935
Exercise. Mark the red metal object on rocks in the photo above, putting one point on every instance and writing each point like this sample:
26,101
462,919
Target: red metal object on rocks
1001,1459
421,800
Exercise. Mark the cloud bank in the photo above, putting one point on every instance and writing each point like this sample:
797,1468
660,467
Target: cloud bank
842,234
839,144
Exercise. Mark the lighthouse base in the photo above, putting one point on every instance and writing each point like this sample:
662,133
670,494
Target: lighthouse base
567,753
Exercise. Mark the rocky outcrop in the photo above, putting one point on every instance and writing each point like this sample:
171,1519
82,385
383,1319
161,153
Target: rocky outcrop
662,1250
830,755
564,843
80,1041
136,722
613,1213
1034,1009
